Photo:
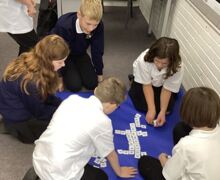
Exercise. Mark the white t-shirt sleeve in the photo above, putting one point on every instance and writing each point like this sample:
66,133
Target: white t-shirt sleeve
173,83
174,167
14,18
141,70
103,142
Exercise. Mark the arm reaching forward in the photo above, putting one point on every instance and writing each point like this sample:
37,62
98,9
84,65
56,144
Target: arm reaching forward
124,172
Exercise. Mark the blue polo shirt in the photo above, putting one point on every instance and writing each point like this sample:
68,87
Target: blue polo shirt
78,43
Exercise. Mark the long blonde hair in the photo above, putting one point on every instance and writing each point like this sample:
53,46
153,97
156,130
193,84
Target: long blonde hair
36,67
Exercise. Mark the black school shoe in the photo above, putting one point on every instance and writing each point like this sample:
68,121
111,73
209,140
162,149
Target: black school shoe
3,129
31,175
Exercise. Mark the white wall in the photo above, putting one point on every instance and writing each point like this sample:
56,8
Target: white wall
199,45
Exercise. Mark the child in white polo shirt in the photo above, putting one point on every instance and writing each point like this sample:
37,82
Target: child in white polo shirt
158,74
195,156
78,130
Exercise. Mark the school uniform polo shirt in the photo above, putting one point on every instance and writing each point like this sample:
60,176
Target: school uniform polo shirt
14,17
147,73
195,157
78,130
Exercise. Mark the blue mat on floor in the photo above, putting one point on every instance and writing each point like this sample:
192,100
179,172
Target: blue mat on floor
133,137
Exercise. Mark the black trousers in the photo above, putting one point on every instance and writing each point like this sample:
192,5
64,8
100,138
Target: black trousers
150,168
137,96
27,131
47,17
26,41
79,72
92,173
180,130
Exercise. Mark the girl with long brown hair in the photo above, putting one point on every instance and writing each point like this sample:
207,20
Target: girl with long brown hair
158,73
28,87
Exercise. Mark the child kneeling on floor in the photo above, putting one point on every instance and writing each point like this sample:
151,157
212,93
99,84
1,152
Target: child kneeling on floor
80,128
158,73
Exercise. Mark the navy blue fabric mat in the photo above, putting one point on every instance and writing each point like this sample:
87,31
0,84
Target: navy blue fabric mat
133,137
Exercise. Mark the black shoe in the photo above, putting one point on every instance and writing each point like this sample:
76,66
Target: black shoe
131,77
3,129
31,175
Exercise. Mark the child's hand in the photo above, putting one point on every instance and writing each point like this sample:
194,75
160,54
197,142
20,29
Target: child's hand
127,172
161,119
61,85
163,157
150,116
100,78
31,10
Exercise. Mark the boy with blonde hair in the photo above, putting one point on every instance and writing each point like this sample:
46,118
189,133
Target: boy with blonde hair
80,30
79,129
92,9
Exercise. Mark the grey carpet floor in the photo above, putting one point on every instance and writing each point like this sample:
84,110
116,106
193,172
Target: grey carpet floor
123,43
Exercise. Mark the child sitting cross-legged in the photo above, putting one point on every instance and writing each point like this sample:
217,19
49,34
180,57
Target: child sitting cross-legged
195,156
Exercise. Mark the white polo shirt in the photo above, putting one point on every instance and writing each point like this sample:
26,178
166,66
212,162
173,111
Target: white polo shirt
14,18
147,73
78,130
195,157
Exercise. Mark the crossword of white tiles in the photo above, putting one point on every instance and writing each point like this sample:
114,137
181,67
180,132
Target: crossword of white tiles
132,137
133,141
